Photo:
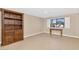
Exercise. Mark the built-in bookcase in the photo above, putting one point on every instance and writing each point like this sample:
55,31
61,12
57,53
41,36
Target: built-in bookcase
12,26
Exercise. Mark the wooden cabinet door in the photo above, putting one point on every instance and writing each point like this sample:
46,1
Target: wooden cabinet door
8,37
18,35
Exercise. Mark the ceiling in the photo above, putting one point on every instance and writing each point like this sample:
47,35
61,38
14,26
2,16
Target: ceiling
47,12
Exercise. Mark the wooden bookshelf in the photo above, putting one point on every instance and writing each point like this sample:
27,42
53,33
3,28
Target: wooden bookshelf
12,26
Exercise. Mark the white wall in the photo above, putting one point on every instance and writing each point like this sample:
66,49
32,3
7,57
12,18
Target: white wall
32,25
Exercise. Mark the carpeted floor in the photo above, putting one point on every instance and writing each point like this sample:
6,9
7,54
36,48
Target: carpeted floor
44,42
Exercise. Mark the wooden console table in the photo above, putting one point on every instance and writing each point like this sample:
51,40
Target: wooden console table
57,29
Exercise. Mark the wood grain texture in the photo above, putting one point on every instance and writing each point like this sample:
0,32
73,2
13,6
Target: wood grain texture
12,26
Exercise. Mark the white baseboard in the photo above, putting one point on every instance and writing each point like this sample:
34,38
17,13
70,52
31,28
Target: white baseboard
71,36
32,34
48,32
65,35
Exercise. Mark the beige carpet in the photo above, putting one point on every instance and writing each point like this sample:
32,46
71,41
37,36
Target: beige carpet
44,42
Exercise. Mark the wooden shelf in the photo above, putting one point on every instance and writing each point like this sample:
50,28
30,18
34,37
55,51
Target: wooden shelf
12,26
12,18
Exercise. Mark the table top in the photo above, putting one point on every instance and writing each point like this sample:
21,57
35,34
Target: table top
56,28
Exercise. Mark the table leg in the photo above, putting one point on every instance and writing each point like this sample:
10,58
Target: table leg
50,32
61,33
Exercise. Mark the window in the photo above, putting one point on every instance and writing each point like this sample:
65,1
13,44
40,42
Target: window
57,23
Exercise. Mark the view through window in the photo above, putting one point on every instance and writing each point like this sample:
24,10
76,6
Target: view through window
57,23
